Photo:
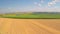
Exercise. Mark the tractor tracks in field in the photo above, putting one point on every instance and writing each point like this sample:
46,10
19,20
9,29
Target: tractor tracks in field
49,29
25,26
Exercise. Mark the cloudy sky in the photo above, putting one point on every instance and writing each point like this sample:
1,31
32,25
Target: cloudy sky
29,5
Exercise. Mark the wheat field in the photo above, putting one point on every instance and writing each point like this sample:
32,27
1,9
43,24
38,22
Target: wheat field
29,26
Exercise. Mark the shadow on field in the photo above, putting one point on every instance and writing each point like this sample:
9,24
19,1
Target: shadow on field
29,18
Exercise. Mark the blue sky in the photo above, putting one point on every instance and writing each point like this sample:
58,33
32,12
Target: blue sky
29,5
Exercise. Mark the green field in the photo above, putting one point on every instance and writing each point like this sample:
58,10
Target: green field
31,16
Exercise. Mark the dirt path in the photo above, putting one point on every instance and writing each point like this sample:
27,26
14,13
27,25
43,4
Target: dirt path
29,26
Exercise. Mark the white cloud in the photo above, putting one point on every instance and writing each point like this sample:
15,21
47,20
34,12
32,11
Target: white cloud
42,1
9,8
39,5
46,8
53,2
35,3
56,0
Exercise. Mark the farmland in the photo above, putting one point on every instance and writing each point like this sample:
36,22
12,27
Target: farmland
32,15
29,26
